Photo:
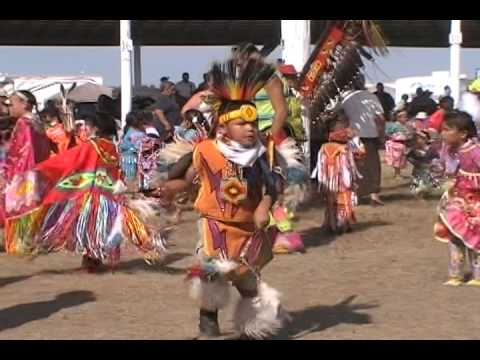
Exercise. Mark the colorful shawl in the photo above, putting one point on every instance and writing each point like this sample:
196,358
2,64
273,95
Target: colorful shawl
69,202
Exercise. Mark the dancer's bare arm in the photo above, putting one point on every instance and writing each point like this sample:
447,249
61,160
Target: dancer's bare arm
261,217
274,90
173,187
161,116
194,102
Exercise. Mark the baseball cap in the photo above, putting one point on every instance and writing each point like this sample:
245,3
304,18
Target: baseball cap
288,70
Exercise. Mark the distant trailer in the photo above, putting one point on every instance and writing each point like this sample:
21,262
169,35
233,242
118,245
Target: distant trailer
45,87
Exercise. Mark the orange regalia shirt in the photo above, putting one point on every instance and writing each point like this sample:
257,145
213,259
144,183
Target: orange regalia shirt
223,195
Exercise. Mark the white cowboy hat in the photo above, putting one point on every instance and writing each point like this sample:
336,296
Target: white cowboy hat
421,115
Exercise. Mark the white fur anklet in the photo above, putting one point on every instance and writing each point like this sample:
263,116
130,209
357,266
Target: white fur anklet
211,295
262,316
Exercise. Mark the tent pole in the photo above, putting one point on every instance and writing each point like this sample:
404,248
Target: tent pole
456,40
126,48
137,60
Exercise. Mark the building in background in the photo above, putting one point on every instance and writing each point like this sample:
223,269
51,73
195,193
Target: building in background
434,83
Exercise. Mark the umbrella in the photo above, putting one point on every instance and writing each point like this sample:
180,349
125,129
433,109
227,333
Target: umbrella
88,93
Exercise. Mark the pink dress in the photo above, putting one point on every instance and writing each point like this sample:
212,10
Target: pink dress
459,208
396,151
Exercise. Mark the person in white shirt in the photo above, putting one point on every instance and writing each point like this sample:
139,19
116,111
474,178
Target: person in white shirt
366,116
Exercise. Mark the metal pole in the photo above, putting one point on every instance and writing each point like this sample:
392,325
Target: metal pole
296,50
126,48
296,42
456,40
137,60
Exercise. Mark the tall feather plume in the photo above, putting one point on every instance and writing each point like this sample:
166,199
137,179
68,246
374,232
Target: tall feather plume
374,37
338,58
232,82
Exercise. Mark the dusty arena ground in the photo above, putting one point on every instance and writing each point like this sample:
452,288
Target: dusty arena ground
383,281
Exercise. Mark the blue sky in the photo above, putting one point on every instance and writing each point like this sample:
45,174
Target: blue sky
172,61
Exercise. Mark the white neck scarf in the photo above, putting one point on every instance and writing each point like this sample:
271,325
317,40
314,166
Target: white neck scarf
239,154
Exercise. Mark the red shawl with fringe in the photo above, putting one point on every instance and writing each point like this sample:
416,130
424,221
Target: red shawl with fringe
68,202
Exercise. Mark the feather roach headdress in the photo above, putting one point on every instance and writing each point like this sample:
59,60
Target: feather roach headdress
337,59
238,81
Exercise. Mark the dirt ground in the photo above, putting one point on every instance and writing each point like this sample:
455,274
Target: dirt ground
383,281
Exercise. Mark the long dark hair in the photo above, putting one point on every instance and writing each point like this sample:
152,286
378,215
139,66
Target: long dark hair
31,100
134,120
105,124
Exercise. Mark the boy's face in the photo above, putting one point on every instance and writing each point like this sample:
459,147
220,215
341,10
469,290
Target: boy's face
243,132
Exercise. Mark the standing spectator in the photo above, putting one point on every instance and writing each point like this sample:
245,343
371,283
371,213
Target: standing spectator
204,85
164,79
422,103
404,103
366,116
166,109
185,88
386,100
447,94
447,91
